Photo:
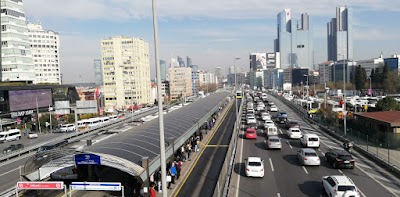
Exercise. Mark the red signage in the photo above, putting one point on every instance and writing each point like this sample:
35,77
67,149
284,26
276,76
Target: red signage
38,185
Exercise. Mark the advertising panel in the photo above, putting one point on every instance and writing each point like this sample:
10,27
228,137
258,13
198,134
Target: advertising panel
26,99
62,107
86,107
261,61
271,59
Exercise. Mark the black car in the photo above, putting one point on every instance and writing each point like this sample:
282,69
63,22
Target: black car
292,124
282,113
281,119
13,147
340,159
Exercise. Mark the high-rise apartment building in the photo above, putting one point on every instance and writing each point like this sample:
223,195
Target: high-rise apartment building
163,70
180,82
126,71
45,45
98,72
219,73
294,42
340,35
195,79
16,56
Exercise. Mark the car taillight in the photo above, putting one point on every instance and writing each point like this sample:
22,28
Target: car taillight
318,159
247,169
338,159
305,158
334,191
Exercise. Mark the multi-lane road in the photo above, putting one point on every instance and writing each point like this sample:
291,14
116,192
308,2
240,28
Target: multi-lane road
284,176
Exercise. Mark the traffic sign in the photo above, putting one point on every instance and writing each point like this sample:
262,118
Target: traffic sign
96,186
85,159
39,185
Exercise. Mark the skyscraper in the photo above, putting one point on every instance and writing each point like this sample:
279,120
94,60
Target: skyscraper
98,72
181,62
294,42
46,56
188,61
163,70
340,35
126,71
16,57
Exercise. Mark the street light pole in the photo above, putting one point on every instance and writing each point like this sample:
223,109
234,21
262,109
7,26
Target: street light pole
160,107
344,97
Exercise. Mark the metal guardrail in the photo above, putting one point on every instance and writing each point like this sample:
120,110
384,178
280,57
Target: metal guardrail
395,170
75,136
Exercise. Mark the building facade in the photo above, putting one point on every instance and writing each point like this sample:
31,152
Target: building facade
337,71
325,72
16,55
393,63
340,35
45,46
163,70
126,71
370,64
180,82
188,61
195,79
294,42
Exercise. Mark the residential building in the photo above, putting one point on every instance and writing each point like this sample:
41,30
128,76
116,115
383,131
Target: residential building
294,42
325,72
98,72
370,64
180,82
340,35
126,71
163,70
195,79
45,46
393,63
16,55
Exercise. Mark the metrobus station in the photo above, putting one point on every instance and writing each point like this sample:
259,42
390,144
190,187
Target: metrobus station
131,158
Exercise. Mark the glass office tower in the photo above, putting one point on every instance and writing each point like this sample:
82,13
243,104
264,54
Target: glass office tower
340,35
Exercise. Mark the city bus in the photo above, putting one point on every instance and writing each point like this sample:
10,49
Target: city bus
239,94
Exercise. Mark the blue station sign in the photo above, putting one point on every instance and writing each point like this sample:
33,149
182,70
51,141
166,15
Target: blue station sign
87,159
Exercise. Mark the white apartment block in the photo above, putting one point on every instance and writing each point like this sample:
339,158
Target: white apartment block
126,72
180,82
45,52
16,57
207,78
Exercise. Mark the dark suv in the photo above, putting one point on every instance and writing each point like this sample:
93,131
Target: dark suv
281,119
291,124
13,147
339,159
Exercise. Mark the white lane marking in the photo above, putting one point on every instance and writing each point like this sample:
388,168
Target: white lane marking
9,171
376,180
305,170
280,131
289,144
240,166
278,194
364,166
272,166
340,171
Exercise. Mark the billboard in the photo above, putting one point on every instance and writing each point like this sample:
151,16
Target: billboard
271,59
86,107
26,99
62,107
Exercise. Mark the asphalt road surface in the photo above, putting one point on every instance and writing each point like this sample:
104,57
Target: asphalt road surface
284,176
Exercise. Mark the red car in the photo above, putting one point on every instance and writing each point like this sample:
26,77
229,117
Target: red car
251,133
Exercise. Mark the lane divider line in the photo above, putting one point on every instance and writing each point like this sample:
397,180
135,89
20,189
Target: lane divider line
272,166
305,170
289,144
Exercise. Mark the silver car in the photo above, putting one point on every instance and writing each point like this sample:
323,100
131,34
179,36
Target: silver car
273,142
308,156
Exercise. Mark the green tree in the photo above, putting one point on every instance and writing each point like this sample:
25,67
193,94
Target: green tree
385,72
391,83
360,78
46,118
388,104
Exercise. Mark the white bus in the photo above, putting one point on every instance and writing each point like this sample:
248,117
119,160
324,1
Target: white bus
113,117
93,122
81,124
104,120
13,134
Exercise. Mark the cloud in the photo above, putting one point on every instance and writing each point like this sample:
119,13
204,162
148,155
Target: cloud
122,10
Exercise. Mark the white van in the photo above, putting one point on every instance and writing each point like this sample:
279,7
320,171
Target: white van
271,130
104,120
310,140
10,135
93,122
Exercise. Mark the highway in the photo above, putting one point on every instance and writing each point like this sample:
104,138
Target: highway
202,180
285,177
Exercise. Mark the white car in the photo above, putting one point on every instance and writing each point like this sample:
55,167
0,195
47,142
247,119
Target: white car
261,104
265,116
32,135
268,123
251,120
259,108
254,167
339,185
294,133
308,156
273,108
67,127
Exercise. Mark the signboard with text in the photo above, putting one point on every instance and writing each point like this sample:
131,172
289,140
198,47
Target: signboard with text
87,159
39,185
96,186
29,99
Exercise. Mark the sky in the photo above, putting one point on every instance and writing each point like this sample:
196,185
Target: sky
212,32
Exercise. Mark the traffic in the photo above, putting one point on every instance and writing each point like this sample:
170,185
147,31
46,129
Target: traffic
298,159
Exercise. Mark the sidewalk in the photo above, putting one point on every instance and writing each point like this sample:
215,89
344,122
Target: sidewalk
194,156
